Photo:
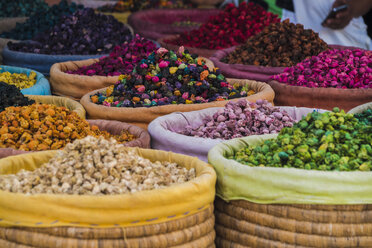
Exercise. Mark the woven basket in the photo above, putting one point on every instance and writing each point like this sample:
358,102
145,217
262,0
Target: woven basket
192,231
245,224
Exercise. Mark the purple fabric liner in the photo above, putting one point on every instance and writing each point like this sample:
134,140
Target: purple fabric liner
164,136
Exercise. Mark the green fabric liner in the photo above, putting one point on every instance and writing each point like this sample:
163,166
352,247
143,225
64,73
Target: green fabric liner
267,185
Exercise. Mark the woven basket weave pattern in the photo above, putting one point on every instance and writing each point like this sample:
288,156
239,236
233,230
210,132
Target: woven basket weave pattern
192,231
246,224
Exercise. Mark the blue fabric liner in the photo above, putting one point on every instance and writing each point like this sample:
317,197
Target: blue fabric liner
40,62
41,87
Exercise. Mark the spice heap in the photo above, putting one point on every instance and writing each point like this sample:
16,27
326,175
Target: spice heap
20,80
365,117
346,69
41,127
42,20
231,27
21,8
92,166
84,32
332,141
279,45
10,95
169,78
240,119
122,59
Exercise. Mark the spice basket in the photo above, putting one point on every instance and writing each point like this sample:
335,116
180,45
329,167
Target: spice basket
176,216
260,73
325,98
164,131
158,23
39,62
75,86
288,207
143,116
113,127
200,51
41,87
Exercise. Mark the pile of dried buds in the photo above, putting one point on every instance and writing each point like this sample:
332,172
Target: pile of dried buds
231,27
20,80
41,127
240,119
92,166
279,45
10,95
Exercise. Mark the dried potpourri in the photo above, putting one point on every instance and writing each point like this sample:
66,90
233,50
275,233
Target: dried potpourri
41,21
10,95
279,45
231,27
122,59
21,8
84,32
41,127
169,78
95,166
365,116
332,141
20,80
345,69
240,119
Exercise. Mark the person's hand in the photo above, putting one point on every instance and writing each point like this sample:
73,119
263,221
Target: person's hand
355,8
343,18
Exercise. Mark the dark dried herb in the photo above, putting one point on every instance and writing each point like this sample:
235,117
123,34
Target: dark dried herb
42,20
21,8
280,45
84,32
10,95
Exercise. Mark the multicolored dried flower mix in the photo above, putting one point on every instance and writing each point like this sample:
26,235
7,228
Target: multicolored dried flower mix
166,77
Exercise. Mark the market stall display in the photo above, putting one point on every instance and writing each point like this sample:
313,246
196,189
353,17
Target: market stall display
165,215
195,133
233,26
168,82
76,78
311,173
